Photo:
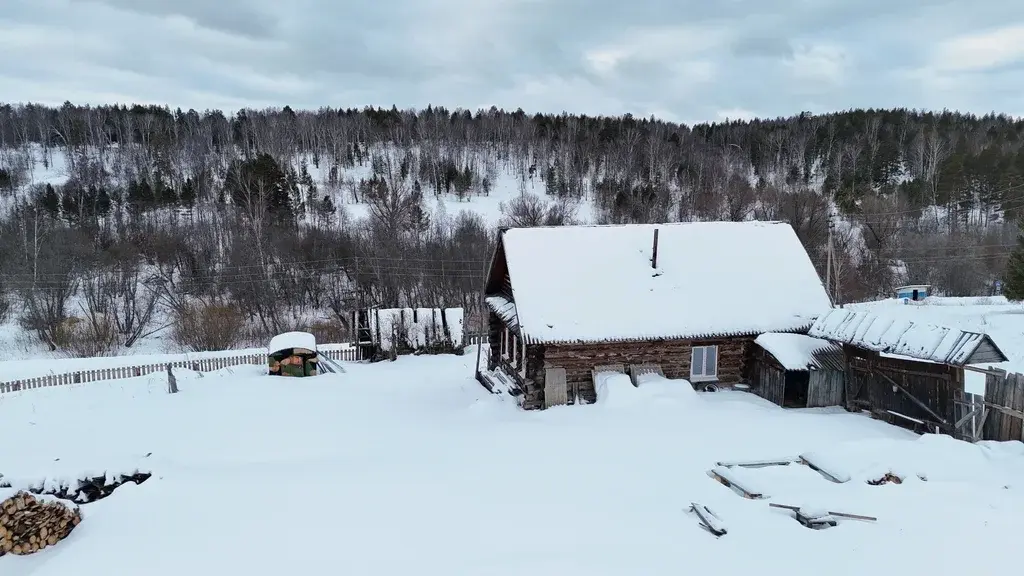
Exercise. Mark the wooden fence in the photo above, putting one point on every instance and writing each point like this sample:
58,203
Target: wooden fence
998,415
121,372
473,339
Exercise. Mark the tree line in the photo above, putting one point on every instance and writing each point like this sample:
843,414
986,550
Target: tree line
162,218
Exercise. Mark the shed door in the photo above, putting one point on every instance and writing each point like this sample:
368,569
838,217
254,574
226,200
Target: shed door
555,392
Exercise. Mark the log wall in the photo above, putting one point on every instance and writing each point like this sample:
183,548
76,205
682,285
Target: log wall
673,356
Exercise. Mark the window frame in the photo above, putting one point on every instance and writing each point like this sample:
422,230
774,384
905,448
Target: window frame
703,376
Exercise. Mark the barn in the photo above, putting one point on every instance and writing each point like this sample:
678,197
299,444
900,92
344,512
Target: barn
797,370
684,299
907,372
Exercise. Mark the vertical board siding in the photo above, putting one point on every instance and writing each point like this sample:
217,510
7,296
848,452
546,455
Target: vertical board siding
825,388
771,383
555,388
1006,391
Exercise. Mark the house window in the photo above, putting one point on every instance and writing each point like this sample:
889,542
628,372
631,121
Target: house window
704,363
505,344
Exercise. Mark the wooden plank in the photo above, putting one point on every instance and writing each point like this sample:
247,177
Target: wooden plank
724,477
757,463
833,513
709,520
832,475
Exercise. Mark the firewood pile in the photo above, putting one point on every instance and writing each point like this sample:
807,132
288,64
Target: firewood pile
29,523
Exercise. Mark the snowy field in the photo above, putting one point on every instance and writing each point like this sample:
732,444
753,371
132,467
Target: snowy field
412,468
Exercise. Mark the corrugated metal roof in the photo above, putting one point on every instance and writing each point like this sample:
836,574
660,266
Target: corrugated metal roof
893,334
800,352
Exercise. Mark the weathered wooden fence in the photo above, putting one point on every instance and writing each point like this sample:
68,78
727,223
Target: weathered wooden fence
120,372
999,414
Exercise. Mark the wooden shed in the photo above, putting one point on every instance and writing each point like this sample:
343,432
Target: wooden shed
907,372
672,298
797,371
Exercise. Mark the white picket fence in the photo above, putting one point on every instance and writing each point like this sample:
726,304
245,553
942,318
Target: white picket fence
200,365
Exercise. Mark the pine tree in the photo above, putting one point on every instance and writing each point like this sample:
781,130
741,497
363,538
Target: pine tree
1013,287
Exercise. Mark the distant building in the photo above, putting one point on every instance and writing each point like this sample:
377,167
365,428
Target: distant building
682,299
914,292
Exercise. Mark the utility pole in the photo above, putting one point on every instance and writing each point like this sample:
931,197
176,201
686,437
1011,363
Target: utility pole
828,263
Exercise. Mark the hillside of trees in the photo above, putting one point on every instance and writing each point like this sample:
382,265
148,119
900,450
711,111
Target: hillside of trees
213,227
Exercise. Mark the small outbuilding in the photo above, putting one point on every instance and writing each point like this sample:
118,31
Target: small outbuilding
293,354
797,371
907,371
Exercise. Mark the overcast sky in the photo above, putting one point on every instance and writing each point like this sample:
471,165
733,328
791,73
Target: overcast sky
684,60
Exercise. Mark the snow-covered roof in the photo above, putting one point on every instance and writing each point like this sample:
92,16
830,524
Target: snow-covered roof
291,340
896,334
796,351
596,283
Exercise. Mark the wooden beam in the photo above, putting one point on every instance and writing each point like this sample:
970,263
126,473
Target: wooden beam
960,423
990,371
913,399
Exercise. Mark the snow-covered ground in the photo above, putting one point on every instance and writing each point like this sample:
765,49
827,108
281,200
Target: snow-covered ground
411,467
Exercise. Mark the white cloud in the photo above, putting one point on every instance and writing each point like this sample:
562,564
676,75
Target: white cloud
688,59
817,63
981,50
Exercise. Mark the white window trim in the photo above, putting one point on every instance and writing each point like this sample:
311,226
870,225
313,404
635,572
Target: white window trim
701,377
522,360
504,343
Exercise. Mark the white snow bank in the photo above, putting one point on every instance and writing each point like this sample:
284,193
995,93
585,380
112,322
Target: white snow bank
793,351
653,385
291,340
615,389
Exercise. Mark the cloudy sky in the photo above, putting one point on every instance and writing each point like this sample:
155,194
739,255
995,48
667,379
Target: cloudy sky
684,60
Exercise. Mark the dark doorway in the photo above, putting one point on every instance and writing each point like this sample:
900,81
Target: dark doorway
795,395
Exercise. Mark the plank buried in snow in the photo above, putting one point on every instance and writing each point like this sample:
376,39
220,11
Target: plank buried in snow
816,521
757,463
830,512
726,478
836,476
709,520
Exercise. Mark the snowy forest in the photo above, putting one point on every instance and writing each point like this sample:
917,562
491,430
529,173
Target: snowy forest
224,228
